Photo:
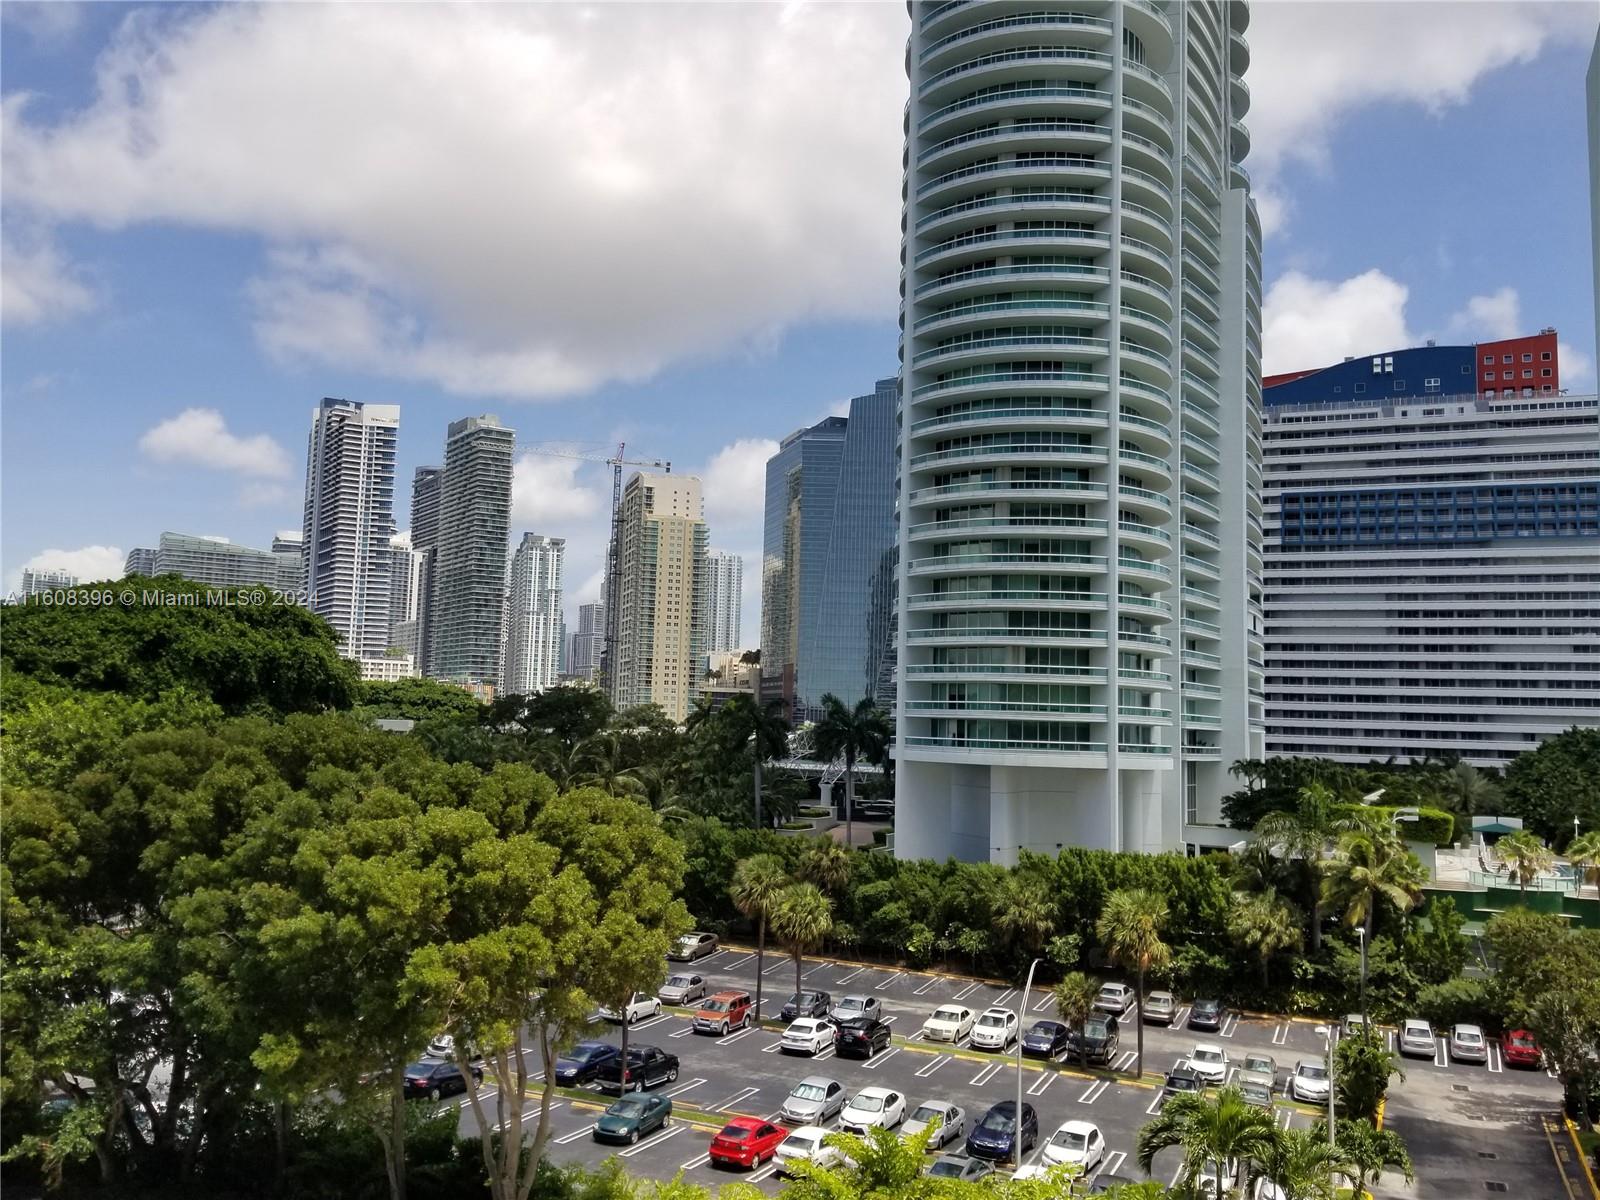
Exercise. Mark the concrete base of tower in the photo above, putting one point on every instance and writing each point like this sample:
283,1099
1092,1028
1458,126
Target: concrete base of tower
979,813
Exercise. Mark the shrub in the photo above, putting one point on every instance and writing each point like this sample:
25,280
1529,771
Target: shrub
1455,1002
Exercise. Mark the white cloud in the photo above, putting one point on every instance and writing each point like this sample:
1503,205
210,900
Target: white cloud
1577,370
518,200
265,495
1489,318
199,437
37,284
734,484
546,494
1308,322
91,564
50,23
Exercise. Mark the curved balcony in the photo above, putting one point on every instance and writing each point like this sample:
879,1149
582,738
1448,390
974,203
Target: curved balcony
1204,447
1148,120
1067,100
1010,66
1017,28
1148,224
1136,712
1005,635
995,207
1022,135
1146,256
1201,567
983,348
1003,381
944,564
1143,500
1147,536
1068,170
1148,641
1040,490
1151,26
1035,454
1053,600
1148,607
1022,526
1199,504
1139,461
1146,362
1204,537
1145,568
1200,658
1238,95
1194,595
1150,295
1035,416
1133,423
1137,387
997,312
1012,241
1238,144
1202,629
998,670
1131,677
1196,473
1140,82
1059,753
1090,279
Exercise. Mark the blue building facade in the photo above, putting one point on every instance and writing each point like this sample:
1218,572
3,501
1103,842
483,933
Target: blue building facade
1420,371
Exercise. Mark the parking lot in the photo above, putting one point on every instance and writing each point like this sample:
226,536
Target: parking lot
1467,1126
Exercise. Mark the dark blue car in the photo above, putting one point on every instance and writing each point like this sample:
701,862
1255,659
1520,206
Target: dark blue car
993,1137
582,1063
1045,1039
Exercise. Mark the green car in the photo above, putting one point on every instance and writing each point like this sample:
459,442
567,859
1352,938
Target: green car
630,1118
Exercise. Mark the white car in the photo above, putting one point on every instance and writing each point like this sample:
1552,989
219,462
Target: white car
995,1030
850,1007
1309,1081
1467,1044
443,1046
1209,1061
806,1145
1114,998
1416,1038
949,1023
1077,1142
1208,1185
873,1108
636,1010
807,1035
952,1119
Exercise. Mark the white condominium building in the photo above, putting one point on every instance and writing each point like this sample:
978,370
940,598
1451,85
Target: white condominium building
1080,522
724,598
533,616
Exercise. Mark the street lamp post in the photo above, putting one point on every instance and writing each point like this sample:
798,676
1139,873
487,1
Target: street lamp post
1330,1034
1361,936
1022,1012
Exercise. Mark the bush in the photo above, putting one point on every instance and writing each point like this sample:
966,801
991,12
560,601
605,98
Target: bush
795,825
1430,824
1455,1002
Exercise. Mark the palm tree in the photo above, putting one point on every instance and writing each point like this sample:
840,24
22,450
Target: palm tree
1368,1150
1075,1001
655,786
1225,1131
763,728
801,917
1583,852
1306,834
1468,791
1367,867
1130,928
1526,856
597,761
757,883
825,863
861,732
1304,1167
1266,923
1023,910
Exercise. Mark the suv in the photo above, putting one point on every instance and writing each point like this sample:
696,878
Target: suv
1182,1080
1098,1042
863,1036
724,1011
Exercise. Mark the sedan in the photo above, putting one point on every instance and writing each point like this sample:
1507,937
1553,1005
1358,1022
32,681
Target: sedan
860,1038
582,1063
434,1080
807,1145
1207,1014
746,1141
1209,1061
630,1118
954,1166
1259,1068
995,1030
1114,998
1519,1049
680,989
949,1023
813,1101
805,1004
1309,1081
995,1136
636,1010
1078,1143
1467,1044
808,1035
1255,1093
1416,1038
873,1108
1160,1008
951,1119
692,946
850,1007
1046,1039
1182,1080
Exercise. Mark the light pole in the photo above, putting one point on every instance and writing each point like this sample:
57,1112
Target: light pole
1022,1011
1330,1034
1361,936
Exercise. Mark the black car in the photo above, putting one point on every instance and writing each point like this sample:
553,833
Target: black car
434,1080
860,1037
582,1063
1207,1014
648,1067
1183,1080
1104,1183
1100,1040
806,1004
992,1137
1045,1039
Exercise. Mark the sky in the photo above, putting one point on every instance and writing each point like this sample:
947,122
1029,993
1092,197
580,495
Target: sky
670,226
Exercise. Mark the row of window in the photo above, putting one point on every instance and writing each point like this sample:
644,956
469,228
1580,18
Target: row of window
1488,359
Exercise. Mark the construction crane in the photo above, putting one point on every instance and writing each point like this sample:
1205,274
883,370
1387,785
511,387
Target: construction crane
613,551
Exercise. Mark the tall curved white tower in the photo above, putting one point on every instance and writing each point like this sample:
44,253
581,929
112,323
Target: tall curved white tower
1080,520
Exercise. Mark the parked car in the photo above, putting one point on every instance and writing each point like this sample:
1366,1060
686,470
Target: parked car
636,1010
948,1023
806,1144
724,1011
995,1136
582,1063
1114,998
1520,1049
692,946
808,1035
648,1067
1160,1008
952,1119
1209,1061
443,1046
861,1037
1416,1038
1256,1093
1309,1082
1046,1039
813,1101
1354,1025
805,1004
848,1007
1076,1142
873,1108
1467,1044
956,1166
1207,1014
681,989
1212,1182
746,1142
1182,1080
1259,1068
632,1117
995,1029
1098,1042
432,1079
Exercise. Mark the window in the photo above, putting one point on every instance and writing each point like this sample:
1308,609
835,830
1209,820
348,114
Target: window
1544,356
1544,372
1527,372
1466,368
1359,388
1399,385
1489,375
1527,358
1488,360
1506,358
1489,395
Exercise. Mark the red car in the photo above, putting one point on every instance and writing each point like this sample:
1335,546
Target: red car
1519,1049
746,1141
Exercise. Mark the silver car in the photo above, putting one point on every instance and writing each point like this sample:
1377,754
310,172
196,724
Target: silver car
1160,1008
815,1100
1416,1038
680,989
959,1166
1259,1068
1467,1044
952,1119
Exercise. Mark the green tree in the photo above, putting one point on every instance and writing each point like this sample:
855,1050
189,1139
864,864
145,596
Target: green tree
1468,791
1024,912
757,884
801,918
1560,780
763,729
1306,834
1130,928
1435,947
1369,1150
1304,1167
1369,867
859,733
825,863
1583,852
416,699
1224,1132
1526,856
1363,1071
1074,997
1265,923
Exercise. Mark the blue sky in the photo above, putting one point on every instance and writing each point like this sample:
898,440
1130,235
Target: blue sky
428,217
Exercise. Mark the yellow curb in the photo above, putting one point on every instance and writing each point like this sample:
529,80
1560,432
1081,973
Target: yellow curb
1383,1103
1566,1182
1583,1159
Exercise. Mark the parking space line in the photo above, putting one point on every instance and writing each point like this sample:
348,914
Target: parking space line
731,1038
988,1073
850,976
698,1161
1494,1058
764,1172
1094,1091
879,1059
572,1137
682,1088
1228,1078
1288,1116
1388,1040
1230,1025
927,986
1046,1078
1126,1060
825,1052
655,1020
888,1020
733,1099
1154,1105
1178,1174
966,991
933,1066
1179,1017
1441,1059
528,1111
772,1047
777,966
1109,1164
670,1131
735,965
893,975
684,1032
822,966
1280,1035
1003,997
1043,1003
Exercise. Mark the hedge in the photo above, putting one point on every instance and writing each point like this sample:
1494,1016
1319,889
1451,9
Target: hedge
1429,825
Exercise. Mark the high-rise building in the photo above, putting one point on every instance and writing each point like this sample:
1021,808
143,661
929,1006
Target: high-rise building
349,511
533,616
216,560
1592,91
1523,366
802,492
724,598
661,618
1432,564
587,644
1079,565
405,594
427,491
35,581
141,560
288,547
467,592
